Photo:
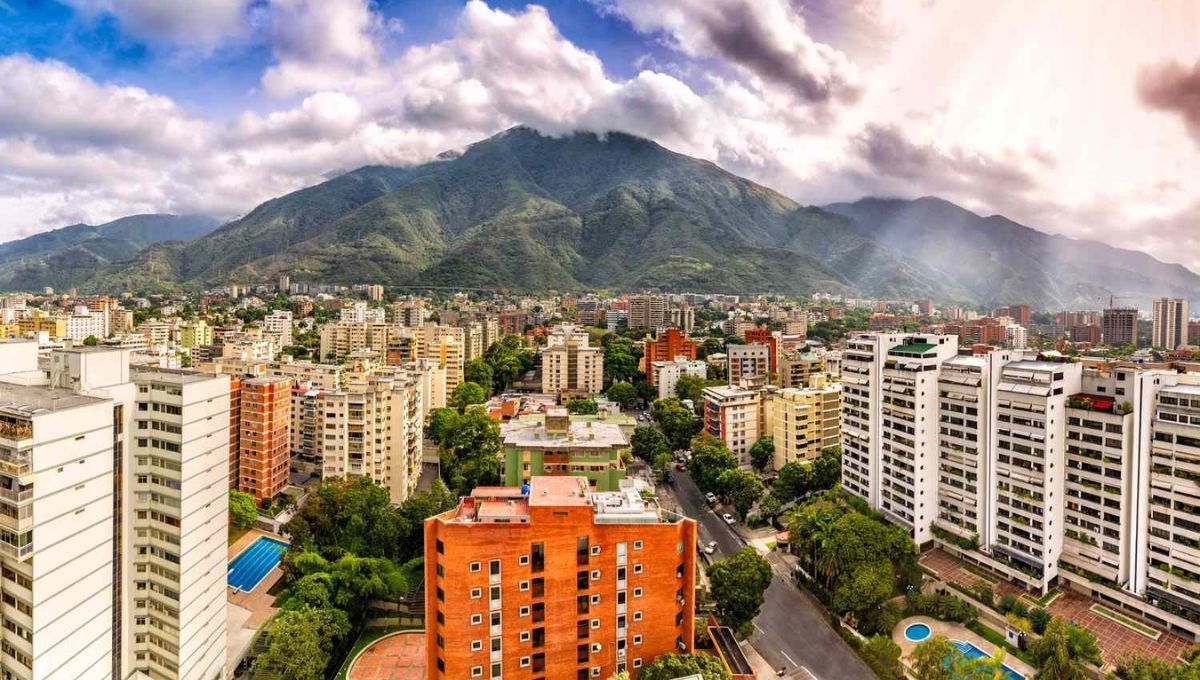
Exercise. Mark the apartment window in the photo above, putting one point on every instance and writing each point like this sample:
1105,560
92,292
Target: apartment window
523,560
523,586
441,595
476,593
581,630
496,670
637,592
494,568
524,662
637,639
581,550
595,599
539,662
637,616
524,610
637,545
476,645
637,568
637,663
476,619
539,639
595,574
581,654
537,557
441,547
581,604
595,550
539,587
476,671
581,580
539,612
475,567
524,636
596,624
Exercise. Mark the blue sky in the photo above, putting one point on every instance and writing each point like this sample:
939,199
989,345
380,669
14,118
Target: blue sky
1072,120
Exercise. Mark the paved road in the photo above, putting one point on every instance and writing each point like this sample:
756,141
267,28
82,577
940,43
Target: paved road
792,629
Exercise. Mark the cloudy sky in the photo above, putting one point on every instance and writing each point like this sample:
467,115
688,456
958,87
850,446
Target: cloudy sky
1079,117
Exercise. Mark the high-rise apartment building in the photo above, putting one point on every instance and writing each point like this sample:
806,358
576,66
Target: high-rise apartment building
799,369
665,375
747,361
1170,326
1118,326
806,421
647,312
264,436
734,415
762,335
340,340
570,366
667,345
113,566
278,326
558,583
561,444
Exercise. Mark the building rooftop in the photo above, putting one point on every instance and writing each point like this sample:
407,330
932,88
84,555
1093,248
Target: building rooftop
550,490
28,400
1034,365
913,348
581,434
176,375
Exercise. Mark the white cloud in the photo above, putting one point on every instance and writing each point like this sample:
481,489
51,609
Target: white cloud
202,23
320,44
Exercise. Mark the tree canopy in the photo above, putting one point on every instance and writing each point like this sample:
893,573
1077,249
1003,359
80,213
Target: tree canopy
677,422
673,666
762,454
467,394
737,585
582,407
300,642
690,387
710,458
242,510
623,393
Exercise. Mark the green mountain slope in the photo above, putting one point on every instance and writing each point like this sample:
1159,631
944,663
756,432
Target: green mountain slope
71,255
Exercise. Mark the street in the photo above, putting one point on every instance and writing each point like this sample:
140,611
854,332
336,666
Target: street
792,629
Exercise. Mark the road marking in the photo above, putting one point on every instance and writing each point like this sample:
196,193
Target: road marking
790,660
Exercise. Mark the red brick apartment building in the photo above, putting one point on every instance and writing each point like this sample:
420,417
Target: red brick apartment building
266,415
235,430
557,584
665,346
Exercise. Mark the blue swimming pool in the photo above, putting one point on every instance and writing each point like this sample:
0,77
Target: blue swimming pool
251,565
974,652
917,632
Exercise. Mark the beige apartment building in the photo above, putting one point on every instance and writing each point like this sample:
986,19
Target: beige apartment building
570,367
806,421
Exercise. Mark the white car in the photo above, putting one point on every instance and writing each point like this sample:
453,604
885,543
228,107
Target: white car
729,519
710,547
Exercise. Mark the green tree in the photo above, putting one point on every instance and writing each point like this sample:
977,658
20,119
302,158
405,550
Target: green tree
583,407
742,487
242,511
934,659
827,468
470,452
794,481
883,656
467,394
677,422
737,585
623,393
673,666
299,643
710,458
1039,618
865,587
1054,654
91,341
480,372
648,443
442,421
690,387
620,361
762,454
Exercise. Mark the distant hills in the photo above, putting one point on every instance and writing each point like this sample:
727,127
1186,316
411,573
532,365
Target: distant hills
521,211
72,255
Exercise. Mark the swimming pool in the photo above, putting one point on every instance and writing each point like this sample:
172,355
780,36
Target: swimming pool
252,565
973,652
917,632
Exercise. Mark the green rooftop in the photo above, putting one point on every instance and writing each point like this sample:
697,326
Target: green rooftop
916,348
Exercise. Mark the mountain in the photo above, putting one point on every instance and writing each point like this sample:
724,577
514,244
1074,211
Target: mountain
996,260
69,256
523,211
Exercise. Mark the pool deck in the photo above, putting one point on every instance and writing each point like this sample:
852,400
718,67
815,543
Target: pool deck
954,631
248,612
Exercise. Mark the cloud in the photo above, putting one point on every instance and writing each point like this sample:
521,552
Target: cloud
202,23
320,43
768,38
1173,87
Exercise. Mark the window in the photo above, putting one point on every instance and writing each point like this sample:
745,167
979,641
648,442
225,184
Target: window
637,663
441,547
524,662
637,639
596,624
476,593
581,550
581,580
595,599
637,545
523,560
637,592
476,645
494,568
476,671
523,586
475,567
595,550
581,654
476,619
581,630
524,636
538,557
539,612
581,604
595,574
525,610
637,616
539,587
637,568
595,671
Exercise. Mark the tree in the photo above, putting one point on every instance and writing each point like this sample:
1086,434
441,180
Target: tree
470,452
677,422
883,656
672,666
466,394
442,421
867,586
620,361
827,468
762,454
648,443
794,481
242,511
742,487
623,393
1054,655
710,458
583,407
737,585
91,341
690,387
1039,618
935,659
480,372
299,643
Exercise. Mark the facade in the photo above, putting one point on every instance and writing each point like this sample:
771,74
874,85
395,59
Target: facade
733,415
86,323
570,367
340,340
1119,326
195,334
560,444
664,375
1170,326
647,312
799,369
747,361
265,409
806,421
667,346
764,336
560,583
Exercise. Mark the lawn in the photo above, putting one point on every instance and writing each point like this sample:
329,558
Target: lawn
368,636
1118,617
998,639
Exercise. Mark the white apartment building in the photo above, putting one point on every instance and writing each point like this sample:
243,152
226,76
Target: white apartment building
138,590
278,327
570,367
358,312
84,323
668,373
748,361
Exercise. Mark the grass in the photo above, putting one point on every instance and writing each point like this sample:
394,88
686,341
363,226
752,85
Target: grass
1118,617
771,545
997,639
1045,600
368,636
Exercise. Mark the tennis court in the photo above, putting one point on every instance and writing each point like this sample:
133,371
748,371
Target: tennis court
251,565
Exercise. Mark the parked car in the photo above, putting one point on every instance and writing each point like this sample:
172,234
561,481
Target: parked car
710,547
710,498
729,519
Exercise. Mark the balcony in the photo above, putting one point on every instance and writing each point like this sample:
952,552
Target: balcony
16,430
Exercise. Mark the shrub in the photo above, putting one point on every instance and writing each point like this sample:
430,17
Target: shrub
880,620
1038,619
941,607
983,592
1006,603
